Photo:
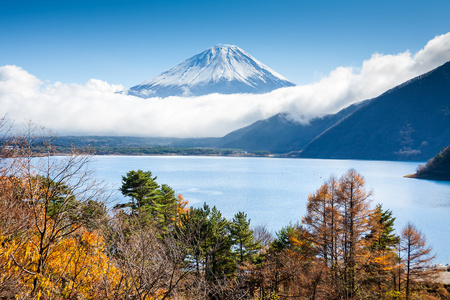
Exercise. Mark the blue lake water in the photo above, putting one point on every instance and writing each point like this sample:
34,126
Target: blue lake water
273,191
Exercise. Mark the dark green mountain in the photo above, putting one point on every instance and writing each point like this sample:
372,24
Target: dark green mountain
278,134
409,122
437,167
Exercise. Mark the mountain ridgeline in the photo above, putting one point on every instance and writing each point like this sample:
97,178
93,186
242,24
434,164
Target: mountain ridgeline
224,69
408,122
279,134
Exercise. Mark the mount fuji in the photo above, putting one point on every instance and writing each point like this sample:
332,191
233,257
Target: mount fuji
224,69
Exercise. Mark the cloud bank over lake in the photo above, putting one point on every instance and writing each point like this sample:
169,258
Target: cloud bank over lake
97,107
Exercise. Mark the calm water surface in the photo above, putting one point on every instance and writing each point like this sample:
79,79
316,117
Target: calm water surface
273,192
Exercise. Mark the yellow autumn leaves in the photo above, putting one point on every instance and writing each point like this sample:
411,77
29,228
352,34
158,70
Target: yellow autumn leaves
39,260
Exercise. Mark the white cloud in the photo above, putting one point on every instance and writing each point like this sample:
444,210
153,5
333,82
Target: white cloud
97,108
16,82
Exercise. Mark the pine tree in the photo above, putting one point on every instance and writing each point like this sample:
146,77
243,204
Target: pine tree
382,232
164,208
380,253
141,187
220,257
205,234
153,204
245,246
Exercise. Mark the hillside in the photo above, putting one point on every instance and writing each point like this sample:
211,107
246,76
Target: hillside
437,167
279,134
409,122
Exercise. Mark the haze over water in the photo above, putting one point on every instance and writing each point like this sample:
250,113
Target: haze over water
273,192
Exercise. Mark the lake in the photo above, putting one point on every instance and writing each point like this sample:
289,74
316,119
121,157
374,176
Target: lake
274,191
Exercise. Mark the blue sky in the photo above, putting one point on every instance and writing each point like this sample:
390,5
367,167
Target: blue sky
63,62
127,42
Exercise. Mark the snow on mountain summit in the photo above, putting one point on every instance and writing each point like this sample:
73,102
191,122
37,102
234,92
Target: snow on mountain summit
224,69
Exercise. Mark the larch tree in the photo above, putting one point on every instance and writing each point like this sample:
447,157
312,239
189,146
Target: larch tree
416,257
322,221
337,220
355,212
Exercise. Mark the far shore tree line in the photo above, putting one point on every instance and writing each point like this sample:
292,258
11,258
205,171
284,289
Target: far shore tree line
60,239
120,146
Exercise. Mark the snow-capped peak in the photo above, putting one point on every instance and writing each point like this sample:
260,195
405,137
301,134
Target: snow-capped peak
222,69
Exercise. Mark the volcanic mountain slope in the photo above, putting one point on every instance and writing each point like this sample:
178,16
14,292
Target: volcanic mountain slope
224,69
408,122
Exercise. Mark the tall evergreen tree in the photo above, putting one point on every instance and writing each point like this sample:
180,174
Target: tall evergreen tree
164,208
205,233
141,187
153,204
380,254
220,256
245,246
382,231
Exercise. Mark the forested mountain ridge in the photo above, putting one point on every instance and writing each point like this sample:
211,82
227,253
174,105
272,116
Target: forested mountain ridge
279,134
409,122
437,167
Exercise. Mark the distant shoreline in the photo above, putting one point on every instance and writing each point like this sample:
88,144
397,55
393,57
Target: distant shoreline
428,176
269,155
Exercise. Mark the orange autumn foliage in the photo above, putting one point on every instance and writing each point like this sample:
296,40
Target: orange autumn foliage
38,259
76,266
